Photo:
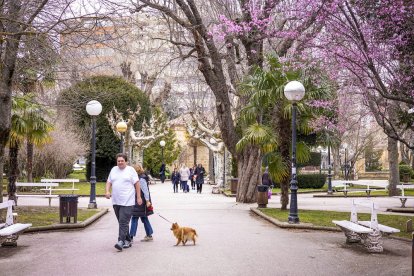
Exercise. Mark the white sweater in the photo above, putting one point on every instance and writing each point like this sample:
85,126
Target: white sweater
185,174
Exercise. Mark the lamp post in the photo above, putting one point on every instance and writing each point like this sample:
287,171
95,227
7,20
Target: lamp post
329,170
346,162
162,144
93,108
121,127
294,91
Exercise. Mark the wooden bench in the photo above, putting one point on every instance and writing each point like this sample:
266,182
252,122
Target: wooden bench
369,232
67,180
47,188
9,231
403,198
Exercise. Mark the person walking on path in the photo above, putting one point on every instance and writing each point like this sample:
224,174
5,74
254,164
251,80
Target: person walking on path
184,176
144,210
266,180
124,182
162,173
199,172
192,179
175,179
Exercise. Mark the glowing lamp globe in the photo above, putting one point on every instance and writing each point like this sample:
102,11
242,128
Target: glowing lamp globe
94,108
294,91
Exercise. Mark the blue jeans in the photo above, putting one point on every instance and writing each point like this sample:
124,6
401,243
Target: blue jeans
134,226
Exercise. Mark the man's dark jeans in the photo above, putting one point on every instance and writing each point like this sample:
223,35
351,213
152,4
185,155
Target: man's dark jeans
123,214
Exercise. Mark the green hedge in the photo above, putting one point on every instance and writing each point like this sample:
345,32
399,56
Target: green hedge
315,160
314,181
405,169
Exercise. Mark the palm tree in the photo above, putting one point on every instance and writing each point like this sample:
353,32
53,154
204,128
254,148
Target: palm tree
266,119
27,124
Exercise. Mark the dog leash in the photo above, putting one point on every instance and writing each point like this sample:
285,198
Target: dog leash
164,218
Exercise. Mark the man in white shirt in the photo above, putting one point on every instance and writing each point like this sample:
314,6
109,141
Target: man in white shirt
124,181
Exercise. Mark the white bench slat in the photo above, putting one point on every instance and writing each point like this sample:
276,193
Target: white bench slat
51,196
352,226
6,204
407,197
23,184
66,180
381,227
13,229
1,225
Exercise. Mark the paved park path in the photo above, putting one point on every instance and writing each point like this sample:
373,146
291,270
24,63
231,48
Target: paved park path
232,241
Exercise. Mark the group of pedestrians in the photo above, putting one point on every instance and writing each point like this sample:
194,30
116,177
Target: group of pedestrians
131,200
181,177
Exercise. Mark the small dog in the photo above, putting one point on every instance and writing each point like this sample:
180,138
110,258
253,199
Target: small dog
183,234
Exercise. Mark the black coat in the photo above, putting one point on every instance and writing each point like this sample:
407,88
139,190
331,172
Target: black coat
200,171
175,177
266,180
142,210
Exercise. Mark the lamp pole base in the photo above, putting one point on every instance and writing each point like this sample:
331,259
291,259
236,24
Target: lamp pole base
293,219
92,205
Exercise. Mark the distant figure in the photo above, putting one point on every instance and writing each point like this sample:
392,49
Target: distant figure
175,179
162,173
184,176
192,177
199,175
266,180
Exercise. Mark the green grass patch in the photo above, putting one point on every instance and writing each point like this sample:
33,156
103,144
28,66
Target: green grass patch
44,216
324,218
84,188
81,175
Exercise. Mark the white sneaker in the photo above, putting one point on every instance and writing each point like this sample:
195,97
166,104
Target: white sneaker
147,238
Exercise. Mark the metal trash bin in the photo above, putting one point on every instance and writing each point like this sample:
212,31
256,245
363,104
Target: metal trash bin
68,207
262,199
233,185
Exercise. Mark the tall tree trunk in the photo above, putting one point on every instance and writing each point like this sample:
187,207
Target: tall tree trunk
336,163
1,172
13,171
249,170
393,163
29,164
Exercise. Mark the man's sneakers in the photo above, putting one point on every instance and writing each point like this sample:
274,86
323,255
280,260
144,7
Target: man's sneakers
127,244
119,245
147,238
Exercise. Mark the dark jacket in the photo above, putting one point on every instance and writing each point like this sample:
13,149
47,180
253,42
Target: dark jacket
142,210
162,172
266,180
175,177
200,171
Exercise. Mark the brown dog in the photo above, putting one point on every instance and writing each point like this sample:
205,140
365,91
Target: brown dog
183,234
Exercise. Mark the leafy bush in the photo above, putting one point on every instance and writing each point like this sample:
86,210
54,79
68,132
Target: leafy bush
314,181
405,169
315,160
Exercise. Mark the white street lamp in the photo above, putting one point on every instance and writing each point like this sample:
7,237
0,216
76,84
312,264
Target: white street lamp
294,91
93,108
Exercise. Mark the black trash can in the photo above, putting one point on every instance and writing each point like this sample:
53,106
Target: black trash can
262,199
68,208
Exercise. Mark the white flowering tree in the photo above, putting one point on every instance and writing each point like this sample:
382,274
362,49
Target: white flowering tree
136,141
210,136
